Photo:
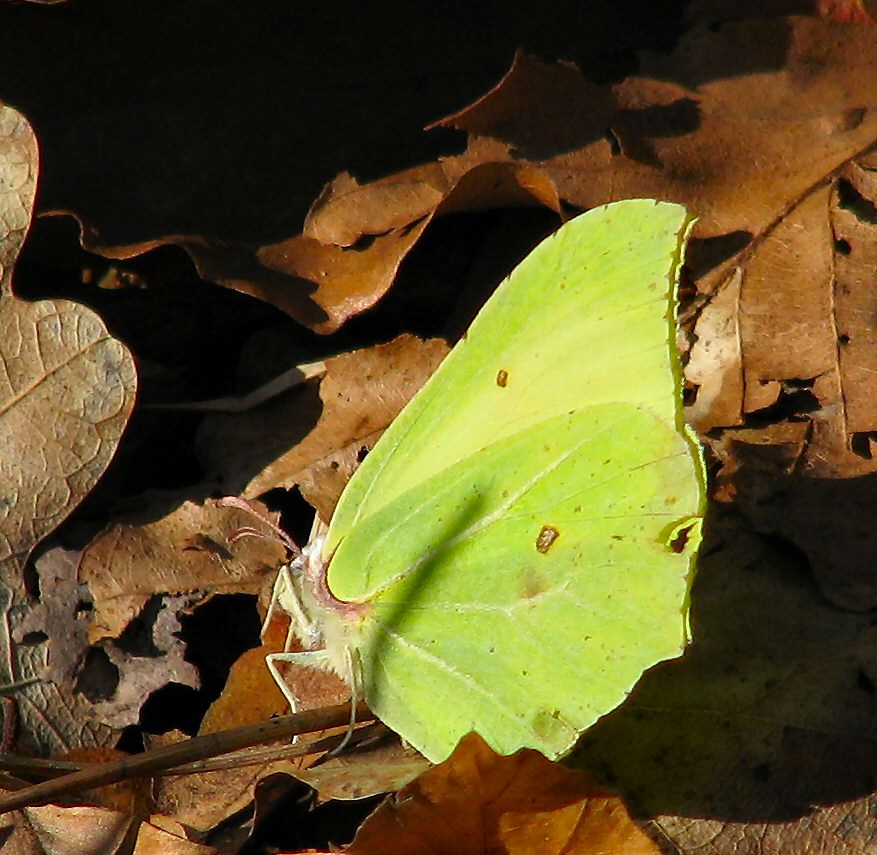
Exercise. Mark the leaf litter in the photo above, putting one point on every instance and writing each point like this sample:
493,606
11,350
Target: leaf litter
762,126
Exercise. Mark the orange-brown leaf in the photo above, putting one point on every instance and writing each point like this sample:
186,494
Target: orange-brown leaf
478,802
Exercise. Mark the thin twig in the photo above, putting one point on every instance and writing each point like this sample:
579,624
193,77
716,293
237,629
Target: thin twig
42,769
199,747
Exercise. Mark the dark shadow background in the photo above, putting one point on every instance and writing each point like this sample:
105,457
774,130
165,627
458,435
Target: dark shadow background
226,119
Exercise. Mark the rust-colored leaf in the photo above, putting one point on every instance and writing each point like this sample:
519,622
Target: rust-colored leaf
250,693
347,210
708,147
848,11
132,797
164,836
479,802
322,284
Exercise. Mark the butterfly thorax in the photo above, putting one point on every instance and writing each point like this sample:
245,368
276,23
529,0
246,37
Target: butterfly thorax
320,620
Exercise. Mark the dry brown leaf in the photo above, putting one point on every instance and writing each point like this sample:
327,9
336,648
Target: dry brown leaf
480,802
367,770
67,388
164,836
778,322
80,830
792,331
183,551
347,210
297,439
66,394
76,701
131,797
18,839
848,11
323,284
60,615
51,716
18,182
708,148
842,829
204,800
49,645
318,285
201,801
786,324
140,675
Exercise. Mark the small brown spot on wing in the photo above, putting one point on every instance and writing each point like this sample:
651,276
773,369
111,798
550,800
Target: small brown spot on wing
502,378
546,538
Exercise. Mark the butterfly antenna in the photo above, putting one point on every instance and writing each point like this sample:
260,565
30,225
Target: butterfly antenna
248,531
283,582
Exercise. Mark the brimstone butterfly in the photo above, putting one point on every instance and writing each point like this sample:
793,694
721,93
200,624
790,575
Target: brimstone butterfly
517,549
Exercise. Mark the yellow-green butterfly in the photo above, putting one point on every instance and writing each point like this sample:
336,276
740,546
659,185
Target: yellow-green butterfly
518,547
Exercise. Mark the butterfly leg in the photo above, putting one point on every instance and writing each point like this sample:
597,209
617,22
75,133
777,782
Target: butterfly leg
318,659
355,694
271,661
